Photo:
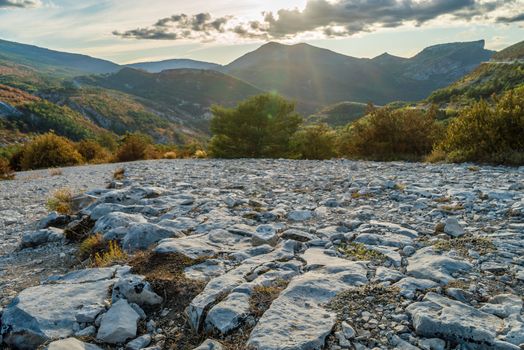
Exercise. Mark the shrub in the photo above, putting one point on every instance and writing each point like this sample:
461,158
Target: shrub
49,151
170,155
200,154
258,127
488,134
61,201
92,151
6,173
314,142
134,147
386,134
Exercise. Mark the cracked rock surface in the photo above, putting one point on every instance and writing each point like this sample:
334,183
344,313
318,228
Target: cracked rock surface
280,254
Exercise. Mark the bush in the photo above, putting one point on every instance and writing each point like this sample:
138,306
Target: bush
314,142
200,154
134,147
92,151
170,155
488,134
386,134
49,151
258,127
6,173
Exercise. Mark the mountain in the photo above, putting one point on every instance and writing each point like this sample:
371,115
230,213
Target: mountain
504,72
46,60
157,67
514,52
186,94
318,77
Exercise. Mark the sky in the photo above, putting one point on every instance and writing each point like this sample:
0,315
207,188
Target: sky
127,31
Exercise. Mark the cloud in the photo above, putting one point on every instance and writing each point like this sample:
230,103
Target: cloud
330,18
511,19
182,26
19,3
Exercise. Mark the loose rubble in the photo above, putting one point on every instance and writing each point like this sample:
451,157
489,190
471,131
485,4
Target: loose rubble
355,255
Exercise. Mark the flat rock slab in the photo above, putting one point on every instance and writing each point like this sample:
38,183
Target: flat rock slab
427,264
297,319
48,312
438,316
118,324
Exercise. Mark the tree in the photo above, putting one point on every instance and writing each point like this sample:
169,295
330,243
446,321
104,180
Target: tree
314,142
257,128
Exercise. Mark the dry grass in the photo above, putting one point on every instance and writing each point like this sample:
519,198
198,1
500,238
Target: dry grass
263,296
119,174
55,172
61,201
78,230
112,256
91,246
462,245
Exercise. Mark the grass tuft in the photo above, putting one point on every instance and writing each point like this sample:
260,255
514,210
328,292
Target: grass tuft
112,256
359,252
61,201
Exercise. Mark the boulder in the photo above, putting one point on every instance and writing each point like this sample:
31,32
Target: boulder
136,290
115,220
118,324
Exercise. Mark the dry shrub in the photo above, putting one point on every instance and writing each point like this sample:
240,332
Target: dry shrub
92,151
134,147
200,154
170,155
61,201
6,173
49,151
113,255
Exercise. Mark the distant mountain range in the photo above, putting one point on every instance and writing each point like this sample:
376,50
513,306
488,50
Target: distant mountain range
317,77
157,67
171,99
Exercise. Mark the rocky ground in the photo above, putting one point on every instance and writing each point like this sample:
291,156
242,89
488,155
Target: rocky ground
267,255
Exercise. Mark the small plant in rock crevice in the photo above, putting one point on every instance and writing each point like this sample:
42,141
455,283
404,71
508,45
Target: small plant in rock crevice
359,252
112,256
119,174
463,245
263,296
61,201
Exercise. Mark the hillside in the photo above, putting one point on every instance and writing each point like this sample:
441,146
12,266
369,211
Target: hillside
339,114
157,67
56,62
487,80
514,52
318,77
187,94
